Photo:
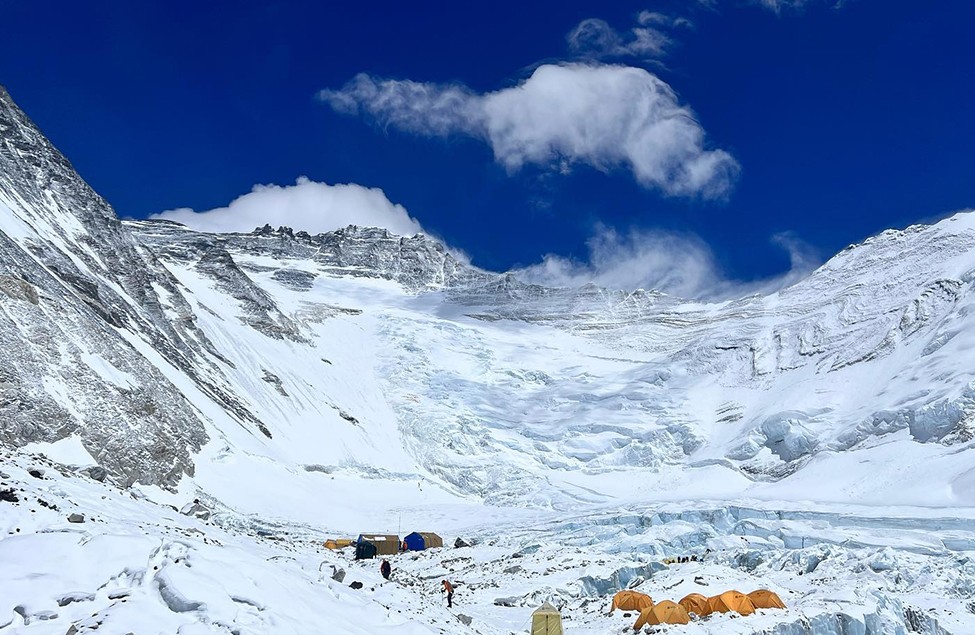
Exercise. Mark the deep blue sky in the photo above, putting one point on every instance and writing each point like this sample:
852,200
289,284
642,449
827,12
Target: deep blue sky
845,121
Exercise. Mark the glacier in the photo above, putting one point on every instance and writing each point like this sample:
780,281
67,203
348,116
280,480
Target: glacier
817,441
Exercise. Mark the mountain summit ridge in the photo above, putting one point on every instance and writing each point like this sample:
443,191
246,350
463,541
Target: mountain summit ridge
178,357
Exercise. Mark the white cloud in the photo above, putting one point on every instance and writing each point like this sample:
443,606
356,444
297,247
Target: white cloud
604,116
307,205
676,263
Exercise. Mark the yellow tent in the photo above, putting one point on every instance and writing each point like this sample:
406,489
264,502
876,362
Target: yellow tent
765,599
546,620
665,612
696,603
631,601
731,601
337,543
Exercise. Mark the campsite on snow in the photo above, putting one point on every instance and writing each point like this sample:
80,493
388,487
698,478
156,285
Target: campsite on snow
683,345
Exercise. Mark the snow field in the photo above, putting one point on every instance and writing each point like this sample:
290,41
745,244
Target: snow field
139,566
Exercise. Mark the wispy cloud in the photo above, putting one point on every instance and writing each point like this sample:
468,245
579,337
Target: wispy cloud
307,205
651,38
778,6
603,116
680,264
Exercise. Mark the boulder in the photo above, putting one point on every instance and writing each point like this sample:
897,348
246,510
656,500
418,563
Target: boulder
460,543
355,584
338,573
97,473
196,509
76,518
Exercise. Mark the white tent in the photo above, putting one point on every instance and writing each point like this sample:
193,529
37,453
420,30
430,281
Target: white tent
546,620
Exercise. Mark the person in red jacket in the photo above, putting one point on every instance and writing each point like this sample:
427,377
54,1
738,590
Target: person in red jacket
448,588
385,568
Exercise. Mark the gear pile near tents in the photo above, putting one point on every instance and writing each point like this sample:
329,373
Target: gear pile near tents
420,540
372,545
546,620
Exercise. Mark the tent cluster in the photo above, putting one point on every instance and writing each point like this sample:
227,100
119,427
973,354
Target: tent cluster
668,612
372,545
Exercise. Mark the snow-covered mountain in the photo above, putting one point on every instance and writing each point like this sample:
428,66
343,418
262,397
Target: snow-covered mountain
298,384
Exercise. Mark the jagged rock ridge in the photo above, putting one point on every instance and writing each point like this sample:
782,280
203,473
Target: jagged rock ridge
390,358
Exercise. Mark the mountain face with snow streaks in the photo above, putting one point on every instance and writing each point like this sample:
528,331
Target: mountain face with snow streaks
280,387
150,340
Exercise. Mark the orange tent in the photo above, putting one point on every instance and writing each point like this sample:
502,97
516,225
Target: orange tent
697,604
765,599
631,601
731,601
665,612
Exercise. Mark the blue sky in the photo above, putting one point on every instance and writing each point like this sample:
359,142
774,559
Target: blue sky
692,146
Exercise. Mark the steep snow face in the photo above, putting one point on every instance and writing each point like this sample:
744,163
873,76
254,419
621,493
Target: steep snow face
850,386
358,381
386,360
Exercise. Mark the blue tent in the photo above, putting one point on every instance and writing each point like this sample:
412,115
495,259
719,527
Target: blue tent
420,540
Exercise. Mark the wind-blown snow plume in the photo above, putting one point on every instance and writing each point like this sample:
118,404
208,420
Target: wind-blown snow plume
307,205
599,115
677,263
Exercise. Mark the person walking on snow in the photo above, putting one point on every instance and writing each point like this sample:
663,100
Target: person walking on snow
448,588
385,568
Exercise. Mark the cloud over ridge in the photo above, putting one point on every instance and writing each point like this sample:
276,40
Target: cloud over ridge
677,263
307,205
603,116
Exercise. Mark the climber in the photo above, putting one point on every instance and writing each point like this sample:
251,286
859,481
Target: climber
448,588
385,568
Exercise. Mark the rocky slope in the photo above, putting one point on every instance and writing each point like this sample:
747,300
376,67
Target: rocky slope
299,385
149,340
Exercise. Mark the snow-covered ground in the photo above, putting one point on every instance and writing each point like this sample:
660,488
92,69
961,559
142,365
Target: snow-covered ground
137,565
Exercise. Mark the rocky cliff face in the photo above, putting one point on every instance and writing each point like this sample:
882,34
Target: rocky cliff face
390,358
78,299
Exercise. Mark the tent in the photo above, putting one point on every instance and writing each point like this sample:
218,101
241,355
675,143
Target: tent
731,601
665,612
420,540
546,620
337,543
383,545
631,601
696,603
365,550
765,599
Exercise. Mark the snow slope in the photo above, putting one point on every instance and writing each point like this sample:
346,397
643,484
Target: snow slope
819,441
